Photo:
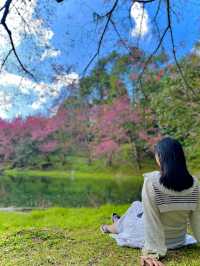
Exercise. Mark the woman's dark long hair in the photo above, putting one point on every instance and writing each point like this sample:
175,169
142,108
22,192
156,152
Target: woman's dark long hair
174,173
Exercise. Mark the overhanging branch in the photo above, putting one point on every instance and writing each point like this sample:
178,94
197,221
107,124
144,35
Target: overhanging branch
119,35
154,52
109,16
185,83
6,8
5,59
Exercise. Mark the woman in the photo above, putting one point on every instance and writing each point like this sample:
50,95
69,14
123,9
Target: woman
170,199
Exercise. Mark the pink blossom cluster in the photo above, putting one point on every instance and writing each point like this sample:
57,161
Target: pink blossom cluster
107,146
49,146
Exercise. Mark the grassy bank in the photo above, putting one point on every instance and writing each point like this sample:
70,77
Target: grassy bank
71,237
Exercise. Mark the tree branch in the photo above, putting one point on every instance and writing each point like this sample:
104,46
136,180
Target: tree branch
185,83
144,1
154,20
22,18
4,24
157,11
119,35
2,8
5,59
141,21
154,52
109,16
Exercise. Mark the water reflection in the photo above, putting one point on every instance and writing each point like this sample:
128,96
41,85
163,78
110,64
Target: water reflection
69,191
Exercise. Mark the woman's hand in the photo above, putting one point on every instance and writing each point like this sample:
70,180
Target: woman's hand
148,261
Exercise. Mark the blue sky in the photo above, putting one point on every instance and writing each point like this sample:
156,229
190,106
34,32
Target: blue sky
66,36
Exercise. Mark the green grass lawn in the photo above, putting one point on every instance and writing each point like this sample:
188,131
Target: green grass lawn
71,236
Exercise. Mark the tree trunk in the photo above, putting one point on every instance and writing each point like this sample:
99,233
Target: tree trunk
109,161
137,157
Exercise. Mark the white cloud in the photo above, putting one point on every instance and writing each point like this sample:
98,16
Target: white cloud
38,104
65,80
22,22
15,22
44,92
50,53
43,35
141,20
5,104
196,49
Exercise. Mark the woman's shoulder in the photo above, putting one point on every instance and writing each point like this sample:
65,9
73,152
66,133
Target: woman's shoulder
152,175
150,179
196,183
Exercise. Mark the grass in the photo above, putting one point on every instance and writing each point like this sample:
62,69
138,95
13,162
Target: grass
70,236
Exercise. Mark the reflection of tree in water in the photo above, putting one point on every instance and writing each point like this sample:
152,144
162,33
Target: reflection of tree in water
46,191
16,179
3,191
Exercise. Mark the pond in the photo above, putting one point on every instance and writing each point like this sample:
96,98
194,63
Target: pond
67,191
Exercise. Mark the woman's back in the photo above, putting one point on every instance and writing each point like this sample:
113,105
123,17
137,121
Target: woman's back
167,213
175,227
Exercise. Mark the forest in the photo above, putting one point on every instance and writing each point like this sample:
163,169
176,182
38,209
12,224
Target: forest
108,116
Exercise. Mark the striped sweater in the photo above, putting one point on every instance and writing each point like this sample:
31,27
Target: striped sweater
167,214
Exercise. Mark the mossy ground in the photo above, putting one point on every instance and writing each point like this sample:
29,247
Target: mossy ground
71,236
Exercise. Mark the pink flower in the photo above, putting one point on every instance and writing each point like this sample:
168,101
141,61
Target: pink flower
49,146
106,147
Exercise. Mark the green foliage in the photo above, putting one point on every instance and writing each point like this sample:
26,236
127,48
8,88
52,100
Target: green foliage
106,80
126,156
125,153
26,153
175,103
